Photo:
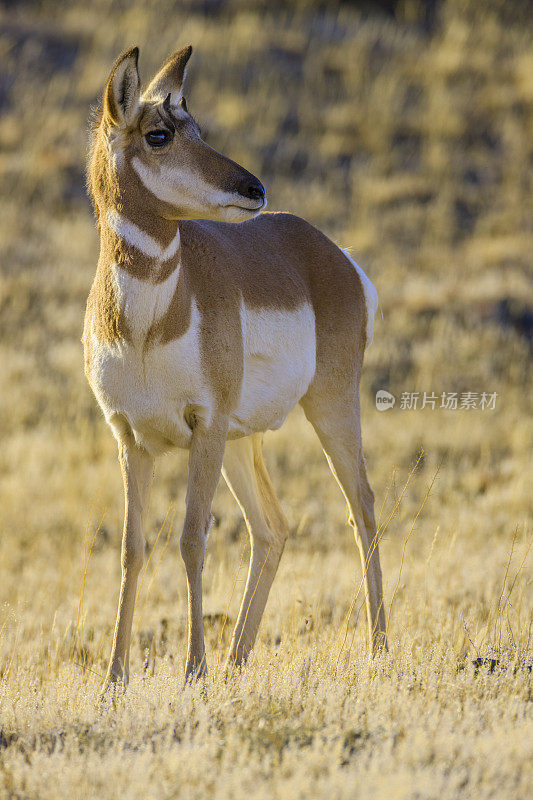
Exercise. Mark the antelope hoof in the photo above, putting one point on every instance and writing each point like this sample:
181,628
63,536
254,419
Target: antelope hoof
235,661
194,673
379,644
114,685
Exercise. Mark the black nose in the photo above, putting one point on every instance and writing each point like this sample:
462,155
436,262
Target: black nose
253,189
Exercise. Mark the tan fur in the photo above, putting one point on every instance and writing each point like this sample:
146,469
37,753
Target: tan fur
103,314
201,306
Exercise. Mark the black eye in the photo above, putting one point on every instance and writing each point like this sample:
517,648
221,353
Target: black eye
183,104
158,138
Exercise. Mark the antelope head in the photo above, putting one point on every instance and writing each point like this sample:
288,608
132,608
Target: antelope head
155,155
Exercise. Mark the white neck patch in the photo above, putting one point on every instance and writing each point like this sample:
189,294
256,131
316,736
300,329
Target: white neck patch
141,240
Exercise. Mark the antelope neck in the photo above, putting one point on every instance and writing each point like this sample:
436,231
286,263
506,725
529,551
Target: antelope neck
142,254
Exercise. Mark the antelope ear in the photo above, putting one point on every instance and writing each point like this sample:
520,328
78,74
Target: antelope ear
121,96
169,79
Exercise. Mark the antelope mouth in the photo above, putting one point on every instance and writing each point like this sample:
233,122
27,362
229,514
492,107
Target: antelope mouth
253,209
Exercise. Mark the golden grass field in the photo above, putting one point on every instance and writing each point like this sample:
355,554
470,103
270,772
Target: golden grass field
411,141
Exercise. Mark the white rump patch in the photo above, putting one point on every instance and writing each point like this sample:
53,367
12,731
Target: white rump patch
140,239
371,297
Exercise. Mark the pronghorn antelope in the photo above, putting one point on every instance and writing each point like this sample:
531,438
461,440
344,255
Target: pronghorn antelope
206,324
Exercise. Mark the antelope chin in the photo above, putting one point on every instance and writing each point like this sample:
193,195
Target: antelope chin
234,212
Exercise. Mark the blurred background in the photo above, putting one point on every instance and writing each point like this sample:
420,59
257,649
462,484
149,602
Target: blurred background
404,130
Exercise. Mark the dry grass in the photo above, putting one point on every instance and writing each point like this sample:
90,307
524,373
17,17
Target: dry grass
415,148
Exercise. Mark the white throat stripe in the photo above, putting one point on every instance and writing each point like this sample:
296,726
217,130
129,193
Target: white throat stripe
140,239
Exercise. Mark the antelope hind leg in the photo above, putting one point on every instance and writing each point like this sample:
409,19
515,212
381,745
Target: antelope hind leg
337,424
246,475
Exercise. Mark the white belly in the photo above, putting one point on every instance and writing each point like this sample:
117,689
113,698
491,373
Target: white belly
149,392
279,365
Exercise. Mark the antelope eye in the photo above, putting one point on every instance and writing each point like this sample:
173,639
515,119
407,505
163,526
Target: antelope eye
183,104
158,138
